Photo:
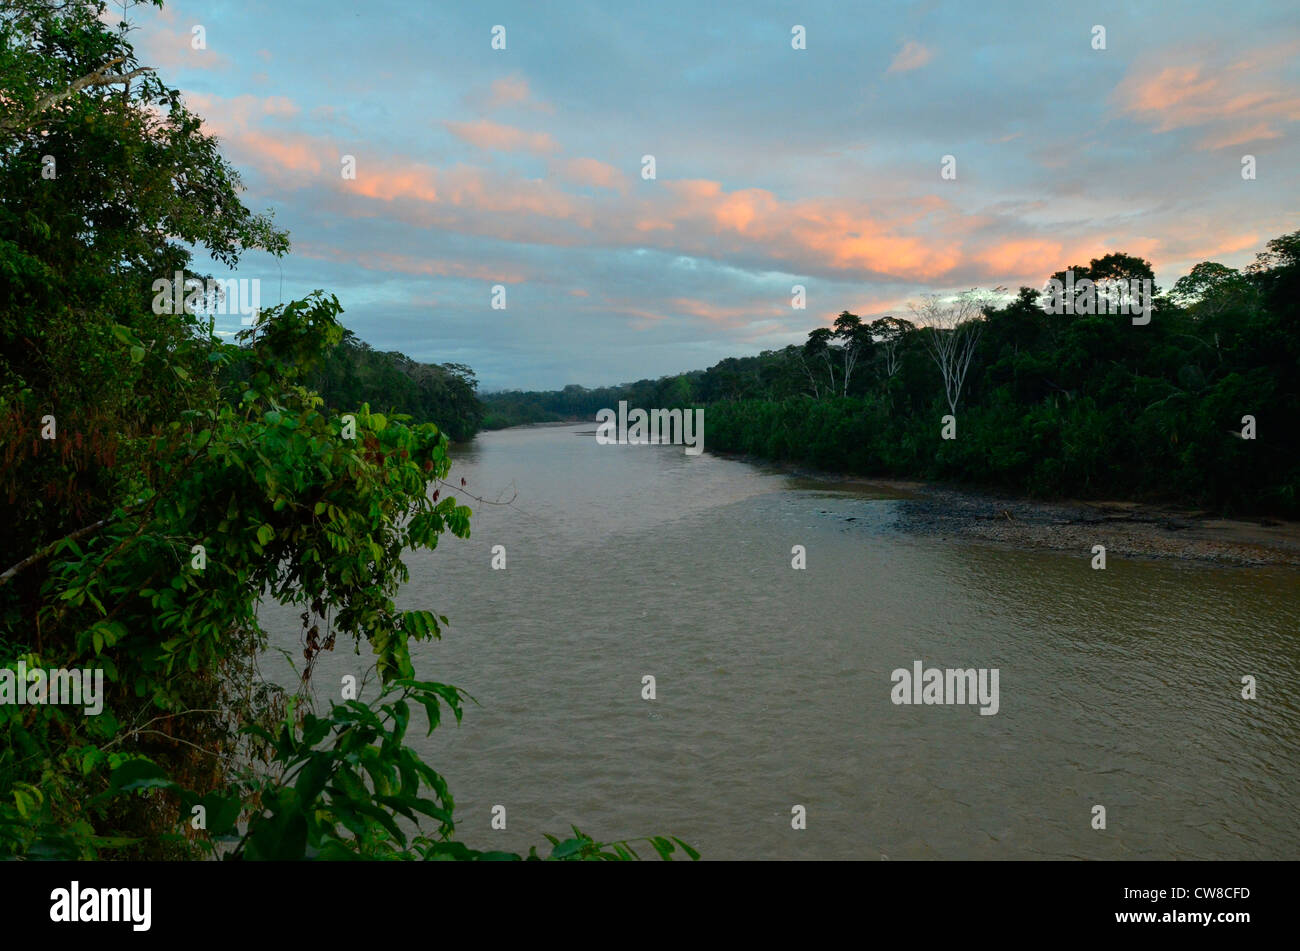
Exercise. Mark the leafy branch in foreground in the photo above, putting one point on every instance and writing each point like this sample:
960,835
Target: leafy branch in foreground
339,787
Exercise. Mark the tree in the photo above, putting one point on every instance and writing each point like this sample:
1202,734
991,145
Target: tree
888,334
817,350
855,341
951,332
1112,278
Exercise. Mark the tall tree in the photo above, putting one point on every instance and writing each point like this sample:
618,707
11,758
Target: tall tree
854,340
951,330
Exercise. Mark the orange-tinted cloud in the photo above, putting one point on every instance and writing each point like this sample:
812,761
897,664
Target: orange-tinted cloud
918,238
1229,245
475,189
588,171
1023,256
912,56
725,315
388,183
507,92
1242,103
226,113
172,48
411,264
493,136
1259,132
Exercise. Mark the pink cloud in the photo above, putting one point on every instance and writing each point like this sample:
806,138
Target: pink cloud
1227,245
912,56
588,171
225,113
474,188
1241,103
1259,132
725,315
173,48
1023,256
390,183
492,136
282,153
411,264
507,92
920,238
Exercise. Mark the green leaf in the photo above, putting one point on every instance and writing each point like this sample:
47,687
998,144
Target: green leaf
695,856
28,799
567,848
139,774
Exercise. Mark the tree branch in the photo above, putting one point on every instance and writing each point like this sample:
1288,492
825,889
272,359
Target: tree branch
49,549
100,77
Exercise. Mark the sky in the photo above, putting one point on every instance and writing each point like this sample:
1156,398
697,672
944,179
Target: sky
774,166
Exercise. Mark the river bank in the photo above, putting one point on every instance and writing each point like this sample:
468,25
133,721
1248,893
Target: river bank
1127,529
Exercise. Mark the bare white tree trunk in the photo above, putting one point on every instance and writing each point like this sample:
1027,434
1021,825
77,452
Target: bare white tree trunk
851,354
951,332
890,347
830,368
812,380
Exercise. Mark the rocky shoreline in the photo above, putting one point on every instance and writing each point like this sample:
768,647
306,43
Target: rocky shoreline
1126,529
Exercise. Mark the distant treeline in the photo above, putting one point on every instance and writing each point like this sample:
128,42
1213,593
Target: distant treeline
522,407
441,393
1087,404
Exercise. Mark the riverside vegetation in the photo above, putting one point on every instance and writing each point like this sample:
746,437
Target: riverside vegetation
1085,405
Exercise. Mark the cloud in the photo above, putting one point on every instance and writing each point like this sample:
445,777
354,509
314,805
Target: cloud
513,91
226,112
1259,132
731,316
916,237
495,137
281,154
1242,102
843,198
412,264
590,172
1019,256
173,48
389,182
912,56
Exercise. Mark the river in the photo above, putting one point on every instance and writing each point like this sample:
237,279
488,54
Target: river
1120,688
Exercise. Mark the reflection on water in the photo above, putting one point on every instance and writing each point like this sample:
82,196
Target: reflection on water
1119,687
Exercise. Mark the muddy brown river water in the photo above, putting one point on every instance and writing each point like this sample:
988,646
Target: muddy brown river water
1120,688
